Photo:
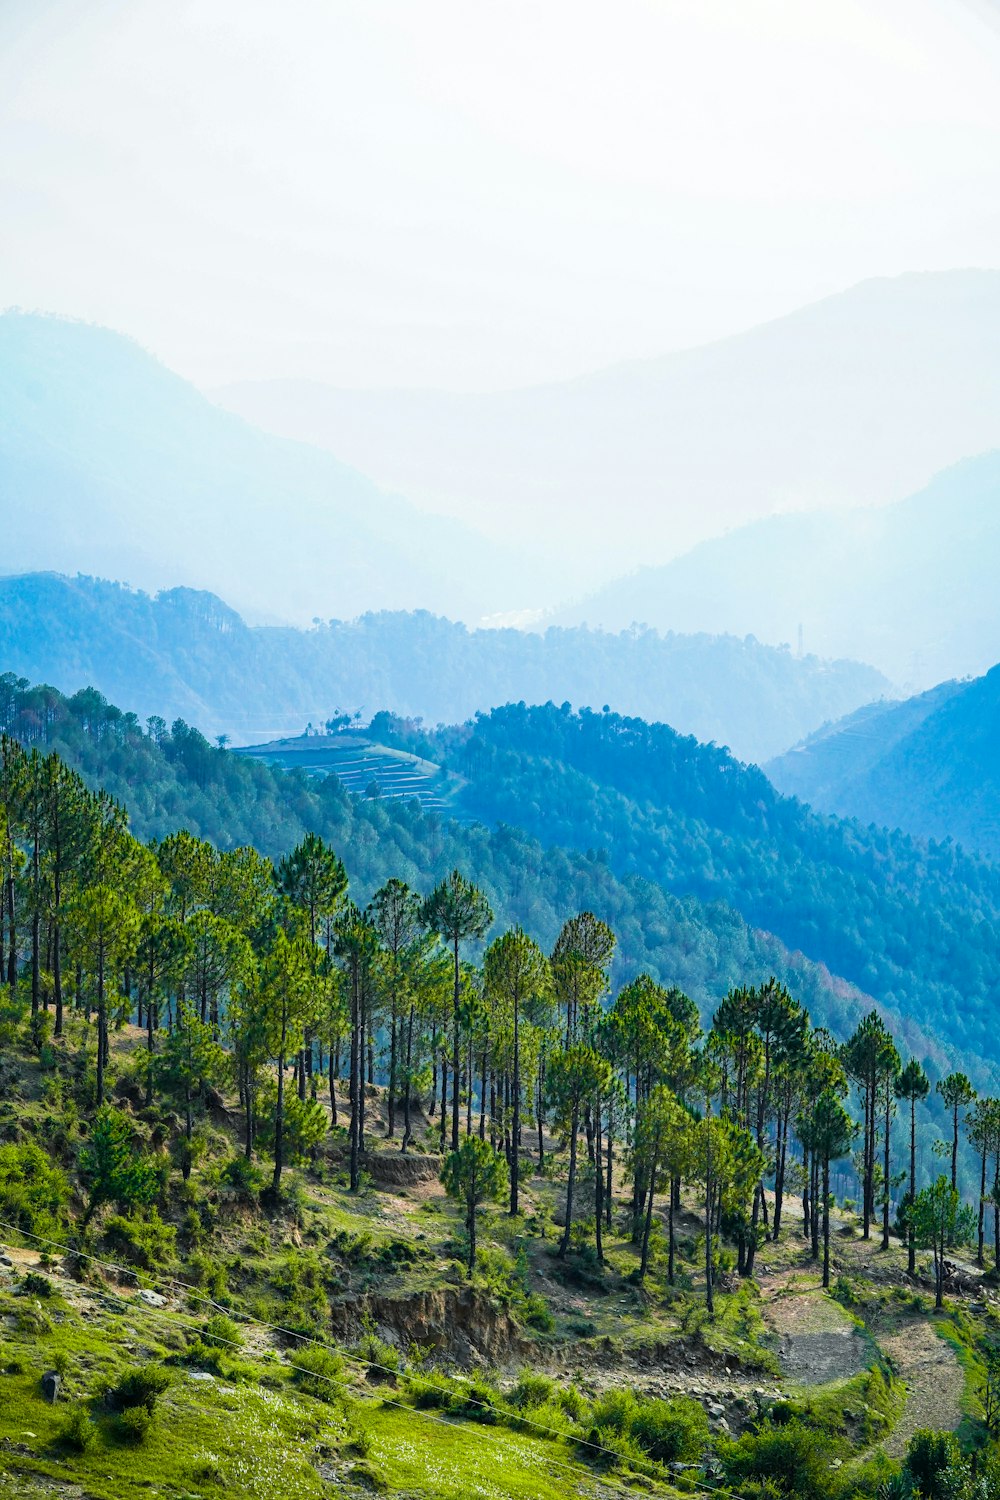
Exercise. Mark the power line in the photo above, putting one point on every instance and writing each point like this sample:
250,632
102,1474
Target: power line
250,1319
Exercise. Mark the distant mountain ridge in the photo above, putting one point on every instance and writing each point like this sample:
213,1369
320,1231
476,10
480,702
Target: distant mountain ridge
186,654
112,465
855,400
929,765
909,586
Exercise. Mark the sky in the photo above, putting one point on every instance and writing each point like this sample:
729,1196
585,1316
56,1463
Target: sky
470,196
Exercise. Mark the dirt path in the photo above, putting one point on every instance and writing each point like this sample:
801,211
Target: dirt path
817,1342
934,1382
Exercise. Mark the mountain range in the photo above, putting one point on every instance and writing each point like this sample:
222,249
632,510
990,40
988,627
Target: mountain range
910,586
853,401
185,654
112,465
928,765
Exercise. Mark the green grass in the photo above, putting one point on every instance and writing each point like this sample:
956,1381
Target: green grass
215,1439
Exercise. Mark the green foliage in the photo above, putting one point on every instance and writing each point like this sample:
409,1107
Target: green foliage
532,1389
779,1459
221,1332
934,1465
142,1385
382,1359
319,1372
34,1193
78,1431
113,1169
132,1424
142,1240
34,1285
474,1174
667,1431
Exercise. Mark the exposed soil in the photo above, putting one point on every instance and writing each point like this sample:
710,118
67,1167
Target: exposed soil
934,1382
816,1341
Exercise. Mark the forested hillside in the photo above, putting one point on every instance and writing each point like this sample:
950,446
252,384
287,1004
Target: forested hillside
671,883
300,1194
928,765
914,925
185,654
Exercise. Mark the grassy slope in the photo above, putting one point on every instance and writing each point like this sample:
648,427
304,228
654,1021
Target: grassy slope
251,1431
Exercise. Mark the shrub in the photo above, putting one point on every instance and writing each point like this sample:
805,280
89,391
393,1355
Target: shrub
208,1275
788,1460
221,1332
477,1401
537,1314
78,1432
133,1424
615,1411
203,1356
142,1240
33,1193
573,1403
430,1395
140,1386
34,1285
383,1360
934,1464
671,1431
318,1372
244,1177
532,1390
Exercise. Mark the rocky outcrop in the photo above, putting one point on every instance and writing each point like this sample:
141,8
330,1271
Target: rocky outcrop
457,1323
399,1169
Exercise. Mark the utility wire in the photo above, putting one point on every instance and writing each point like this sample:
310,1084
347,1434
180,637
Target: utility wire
194,1295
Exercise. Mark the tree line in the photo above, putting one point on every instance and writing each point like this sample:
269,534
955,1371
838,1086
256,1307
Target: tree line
270,979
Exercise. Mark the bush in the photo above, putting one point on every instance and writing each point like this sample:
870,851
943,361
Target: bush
33,1193
382,1359
34,1285
142,1240
787,1460
133,1424
244,1177
615,1411
537,1314
318,1372
141,1386
934,1464
573,1403
671,1431
208,1275
477,1401
532,1390
78,1432
430,1395
221,1332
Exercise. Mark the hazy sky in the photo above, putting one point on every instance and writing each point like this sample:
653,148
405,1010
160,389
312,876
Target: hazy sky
470,195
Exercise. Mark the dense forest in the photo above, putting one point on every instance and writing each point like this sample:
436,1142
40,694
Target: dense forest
915,925
643,872
185,654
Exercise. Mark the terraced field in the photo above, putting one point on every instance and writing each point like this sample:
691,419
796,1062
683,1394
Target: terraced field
366,768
